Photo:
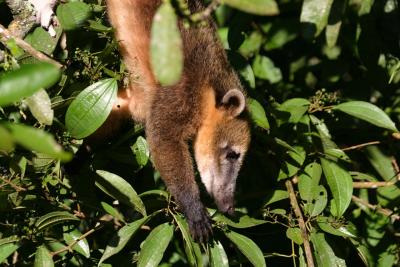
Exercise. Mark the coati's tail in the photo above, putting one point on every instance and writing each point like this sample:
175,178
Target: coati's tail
132,20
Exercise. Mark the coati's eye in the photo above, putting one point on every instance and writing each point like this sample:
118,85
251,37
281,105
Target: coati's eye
232,155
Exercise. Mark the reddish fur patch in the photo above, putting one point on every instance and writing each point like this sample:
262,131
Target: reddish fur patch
211,116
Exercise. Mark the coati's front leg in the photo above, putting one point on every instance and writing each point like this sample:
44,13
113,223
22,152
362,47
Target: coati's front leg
167,129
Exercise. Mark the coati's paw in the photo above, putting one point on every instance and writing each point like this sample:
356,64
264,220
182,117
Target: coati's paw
199,225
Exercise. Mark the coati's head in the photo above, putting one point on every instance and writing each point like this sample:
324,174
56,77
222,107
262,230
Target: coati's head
221,144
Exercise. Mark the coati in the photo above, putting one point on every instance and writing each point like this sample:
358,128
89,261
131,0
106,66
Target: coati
206,107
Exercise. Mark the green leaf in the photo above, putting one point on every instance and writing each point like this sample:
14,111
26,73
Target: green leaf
40,106
292,163
38,141
8,246
166,46
294,234
328,225
141,151
154,246
43,258
314,16
367,112
82,247
249,249
91,108
340,184
218,257
297,107
112,211
121,238
116,187
244,221
6,140
277,195
264,68
53,218
26,80
73,14
257,7
322,251
257,114
156,192
192,248
41,40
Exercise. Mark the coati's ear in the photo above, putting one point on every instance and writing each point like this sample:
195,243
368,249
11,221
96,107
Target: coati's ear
234,101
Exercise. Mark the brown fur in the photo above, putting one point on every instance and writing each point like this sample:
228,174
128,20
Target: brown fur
190,110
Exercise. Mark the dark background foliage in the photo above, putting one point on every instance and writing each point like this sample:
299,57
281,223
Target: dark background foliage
306,66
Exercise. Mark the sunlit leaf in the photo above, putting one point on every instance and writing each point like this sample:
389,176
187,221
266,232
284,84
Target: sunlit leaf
8,246
26,80
154,246
91,108
6,140
328,225
276,196
241,221
367,112
118,188
166,46
314,16
322,251
257,114
40,106
218,257
73,14
247,246
141,150
82,246
296,107
257,7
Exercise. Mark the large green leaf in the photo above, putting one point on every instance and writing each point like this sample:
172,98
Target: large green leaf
38,141
340,183
73,14
6,140
91,108
218,257
155,245
141,150
8,246
247,246
43,258
166,46
118,188
314,16
121,238
257,114
322,251
40,106
257,7
192,248
367,112
294,234
26,80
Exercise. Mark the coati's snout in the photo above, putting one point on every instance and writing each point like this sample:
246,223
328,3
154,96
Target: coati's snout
220,146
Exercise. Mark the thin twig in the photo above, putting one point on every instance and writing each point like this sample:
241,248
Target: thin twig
5,36
16,187
373,184
70,246
383,211
396,168
361,145
302,225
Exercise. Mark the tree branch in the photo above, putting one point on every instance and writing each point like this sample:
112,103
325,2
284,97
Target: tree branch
5,36
361,145
383,211
302,225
